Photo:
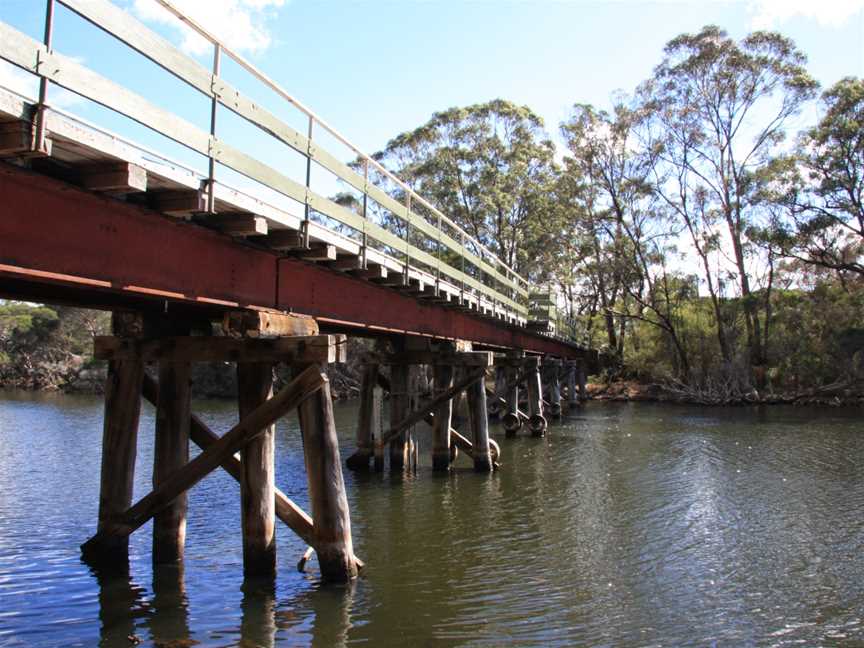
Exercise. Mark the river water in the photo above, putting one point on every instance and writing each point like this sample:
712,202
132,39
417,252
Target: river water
628,525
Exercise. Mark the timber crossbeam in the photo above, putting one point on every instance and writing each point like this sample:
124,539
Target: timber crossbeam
320,349
422,357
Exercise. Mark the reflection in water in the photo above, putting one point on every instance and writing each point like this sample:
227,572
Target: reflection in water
169,618
121,605
627,525
258,613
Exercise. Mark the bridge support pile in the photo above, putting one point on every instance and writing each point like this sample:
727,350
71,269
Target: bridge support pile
454,373
137,342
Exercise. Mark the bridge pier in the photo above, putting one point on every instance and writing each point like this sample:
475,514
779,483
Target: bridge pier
119,446
496,406
399,408
582,377
171,452
553,376
512,421
257,482
536,421
477,414
369,420
441,425
127,352
454,373
572,394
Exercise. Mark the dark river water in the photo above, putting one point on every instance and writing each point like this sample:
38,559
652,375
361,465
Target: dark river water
628,525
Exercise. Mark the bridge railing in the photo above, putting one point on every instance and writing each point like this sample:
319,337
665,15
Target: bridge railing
427,237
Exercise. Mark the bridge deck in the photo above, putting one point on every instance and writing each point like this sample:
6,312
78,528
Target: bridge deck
62,243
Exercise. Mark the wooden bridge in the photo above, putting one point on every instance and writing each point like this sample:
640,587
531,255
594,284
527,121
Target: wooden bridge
91,219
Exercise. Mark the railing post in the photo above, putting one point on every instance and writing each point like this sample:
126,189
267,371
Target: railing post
363,255
214,105
38,142
305,225
407,237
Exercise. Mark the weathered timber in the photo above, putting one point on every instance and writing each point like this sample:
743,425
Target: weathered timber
477,415
373,271
292,350
307,554
429,357
572,394
443,378
536,422
283,239
178,203
554,391
347,262
292,515
257,476
378,449
15,138
236,223
329,502
119,440
318,252
261,324
460,442
170,454
288,398
419,414
581,376
114,177
512,421
368,422
497,395
399,442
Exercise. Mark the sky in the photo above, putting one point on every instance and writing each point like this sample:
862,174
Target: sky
374,69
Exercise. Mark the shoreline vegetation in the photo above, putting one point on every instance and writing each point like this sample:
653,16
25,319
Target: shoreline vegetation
49,349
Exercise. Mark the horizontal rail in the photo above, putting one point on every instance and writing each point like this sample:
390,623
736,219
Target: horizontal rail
263,78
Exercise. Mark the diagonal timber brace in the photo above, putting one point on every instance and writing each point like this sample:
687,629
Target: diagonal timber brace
294,517
419,414
288,398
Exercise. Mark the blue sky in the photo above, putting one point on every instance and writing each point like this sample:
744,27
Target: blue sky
374,69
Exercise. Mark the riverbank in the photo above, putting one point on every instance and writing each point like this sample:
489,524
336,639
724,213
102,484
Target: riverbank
838,394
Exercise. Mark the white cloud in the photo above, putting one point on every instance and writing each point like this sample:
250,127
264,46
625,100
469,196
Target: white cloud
242,25
768,14
19,81
27,85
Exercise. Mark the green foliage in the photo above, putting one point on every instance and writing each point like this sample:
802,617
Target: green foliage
17,318
490,168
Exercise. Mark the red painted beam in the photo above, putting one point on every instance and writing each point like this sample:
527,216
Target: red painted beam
96,250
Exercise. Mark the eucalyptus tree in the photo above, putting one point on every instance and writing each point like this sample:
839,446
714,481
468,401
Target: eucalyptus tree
490,168
822,187
718,113
622,210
